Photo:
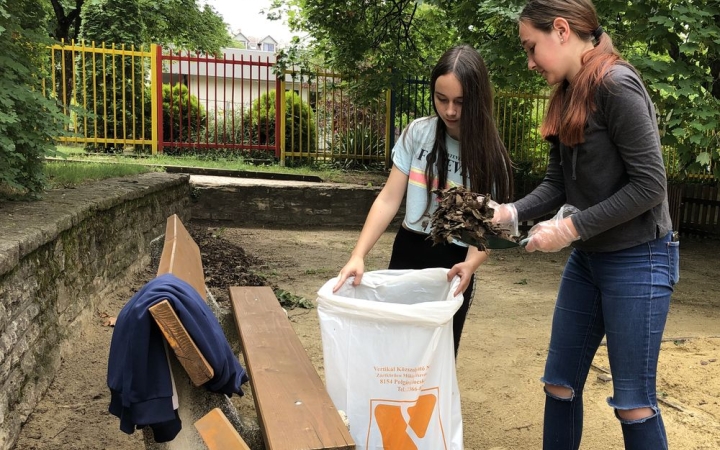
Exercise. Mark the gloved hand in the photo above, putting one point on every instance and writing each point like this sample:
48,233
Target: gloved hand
555,234
505,216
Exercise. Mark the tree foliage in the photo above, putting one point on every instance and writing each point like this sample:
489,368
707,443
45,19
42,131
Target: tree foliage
380,42
28,121
180,23
676,46
674,43
111,105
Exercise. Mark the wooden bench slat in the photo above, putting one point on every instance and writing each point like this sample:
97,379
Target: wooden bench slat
294,409
189,355
218,433
181,256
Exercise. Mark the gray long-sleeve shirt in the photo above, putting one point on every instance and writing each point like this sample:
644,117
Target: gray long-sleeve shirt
616,177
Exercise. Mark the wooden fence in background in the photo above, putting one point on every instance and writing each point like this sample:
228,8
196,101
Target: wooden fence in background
695,209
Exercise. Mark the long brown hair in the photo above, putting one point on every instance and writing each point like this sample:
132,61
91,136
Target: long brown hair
484,159
570,105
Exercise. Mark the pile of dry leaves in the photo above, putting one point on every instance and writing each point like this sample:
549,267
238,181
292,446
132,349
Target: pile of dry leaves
464,216
226,264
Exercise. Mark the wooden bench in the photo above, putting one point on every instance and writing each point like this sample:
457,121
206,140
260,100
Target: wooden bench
218,433
181,257
293,407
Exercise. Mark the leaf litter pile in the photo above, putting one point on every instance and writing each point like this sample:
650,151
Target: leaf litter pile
226,264
460,216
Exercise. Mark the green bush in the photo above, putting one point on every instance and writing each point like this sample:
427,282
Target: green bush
362,146
28,121
228,127
175,119
300,127
183,117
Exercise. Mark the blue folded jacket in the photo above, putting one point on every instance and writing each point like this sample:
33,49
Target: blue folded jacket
138,372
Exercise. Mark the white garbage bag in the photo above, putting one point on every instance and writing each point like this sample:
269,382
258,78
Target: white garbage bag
389,358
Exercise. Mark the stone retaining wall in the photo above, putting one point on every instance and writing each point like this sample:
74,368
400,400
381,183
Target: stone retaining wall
58,258
282,204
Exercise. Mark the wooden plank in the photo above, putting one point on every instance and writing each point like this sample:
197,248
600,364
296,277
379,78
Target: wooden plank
181,256
694,218
294,409
218,433
709,196
675,194
189,355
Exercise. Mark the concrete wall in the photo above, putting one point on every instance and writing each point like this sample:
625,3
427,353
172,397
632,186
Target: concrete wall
282,204
58,258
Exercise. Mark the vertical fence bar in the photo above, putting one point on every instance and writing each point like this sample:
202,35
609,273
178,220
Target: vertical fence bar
132,71
242,100
232,100
279,118
207,99
207,112
114,93
158,110
95,95
73,83
63,80
281,114
84,84
267,100
124,99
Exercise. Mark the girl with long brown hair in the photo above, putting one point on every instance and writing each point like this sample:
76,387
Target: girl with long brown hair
458,146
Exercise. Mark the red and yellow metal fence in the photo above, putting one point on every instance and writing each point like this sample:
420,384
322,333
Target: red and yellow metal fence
322,122
107,94
159,100
174,101
224,102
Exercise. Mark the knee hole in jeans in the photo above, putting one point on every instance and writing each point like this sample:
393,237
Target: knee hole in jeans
635,414
559,392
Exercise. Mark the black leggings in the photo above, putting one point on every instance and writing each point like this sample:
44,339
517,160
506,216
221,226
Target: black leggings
416,251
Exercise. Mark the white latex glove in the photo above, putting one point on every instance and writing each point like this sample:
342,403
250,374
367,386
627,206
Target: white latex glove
555,234
505,216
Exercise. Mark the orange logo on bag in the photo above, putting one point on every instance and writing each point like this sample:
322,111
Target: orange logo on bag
401,434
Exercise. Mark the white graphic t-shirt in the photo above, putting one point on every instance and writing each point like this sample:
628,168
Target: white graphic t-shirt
410,157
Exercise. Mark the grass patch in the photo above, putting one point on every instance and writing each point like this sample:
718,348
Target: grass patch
292,301
326,172
70,174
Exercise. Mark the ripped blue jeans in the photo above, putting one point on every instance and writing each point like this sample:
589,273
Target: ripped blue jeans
624,295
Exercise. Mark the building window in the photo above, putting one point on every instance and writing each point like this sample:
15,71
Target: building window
268,47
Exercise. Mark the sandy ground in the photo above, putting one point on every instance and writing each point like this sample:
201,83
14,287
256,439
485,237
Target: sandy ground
501,355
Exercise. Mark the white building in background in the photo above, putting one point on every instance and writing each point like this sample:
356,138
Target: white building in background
242,39
266,44
235,79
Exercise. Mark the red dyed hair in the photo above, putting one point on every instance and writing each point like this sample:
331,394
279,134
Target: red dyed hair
570,105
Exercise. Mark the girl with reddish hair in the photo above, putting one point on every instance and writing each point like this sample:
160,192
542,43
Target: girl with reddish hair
605,161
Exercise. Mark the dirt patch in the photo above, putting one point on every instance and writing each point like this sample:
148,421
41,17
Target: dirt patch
501,356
